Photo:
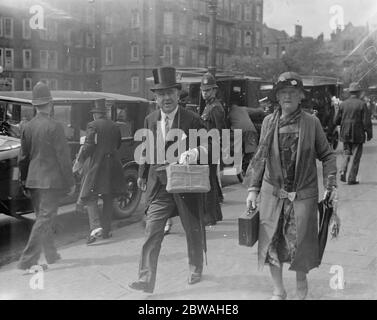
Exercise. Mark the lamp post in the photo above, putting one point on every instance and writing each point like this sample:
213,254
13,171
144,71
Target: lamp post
212,6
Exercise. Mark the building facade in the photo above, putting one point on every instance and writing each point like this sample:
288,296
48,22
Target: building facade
56,42
139,35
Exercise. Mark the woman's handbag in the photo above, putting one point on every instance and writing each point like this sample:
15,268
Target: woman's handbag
248,228
183,178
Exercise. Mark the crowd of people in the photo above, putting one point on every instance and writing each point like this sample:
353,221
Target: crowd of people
280,175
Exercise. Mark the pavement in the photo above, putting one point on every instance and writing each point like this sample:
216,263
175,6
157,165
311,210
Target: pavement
102,271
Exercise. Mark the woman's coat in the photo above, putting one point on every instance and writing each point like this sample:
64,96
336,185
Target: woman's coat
312,145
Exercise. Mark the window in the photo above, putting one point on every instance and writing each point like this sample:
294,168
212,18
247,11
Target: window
52,59
182,25
258,39
168,54
1,26
135,52
202,59
168,23
108,56
248,12
68,63
108,24
62,114
53,84
248,39
27,84
267,51
10,83
182,56
239,10
52,30
135,84
26,53
259,13
194,57
90,14
195,29
238,38
89,40
67,84
1,57
8,27
26,31
43,56
9,58
90,64
125,118
202,6
135,19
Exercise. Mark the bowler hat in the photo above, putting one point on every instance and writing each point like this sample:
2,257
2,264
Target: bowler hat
99,106
41,94
355,87
165,78
208,82
289,80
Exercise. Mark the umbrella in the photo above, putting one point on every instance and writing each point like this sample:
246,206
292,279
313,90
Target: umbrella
325,213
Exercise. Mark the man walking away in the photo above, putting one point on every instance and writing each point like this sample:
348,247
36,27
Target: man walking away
104,175
355,122
46,174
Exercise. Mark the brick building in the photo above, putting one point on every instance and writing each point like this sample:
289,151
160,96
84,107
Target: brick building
55,41
140,34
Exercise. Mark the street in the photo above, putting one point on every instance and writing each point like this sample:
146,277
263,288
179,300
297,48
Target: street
103,270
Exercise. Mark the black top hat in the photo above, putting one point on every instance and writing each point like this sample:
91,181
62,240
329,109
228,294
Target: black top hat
99,106
165,78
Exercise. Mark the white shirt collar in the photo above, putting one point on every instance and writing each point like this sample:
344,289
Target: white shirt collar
170,115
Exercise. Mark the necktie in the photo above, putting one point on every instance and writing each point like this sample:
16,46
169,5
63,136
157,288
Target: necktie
167,126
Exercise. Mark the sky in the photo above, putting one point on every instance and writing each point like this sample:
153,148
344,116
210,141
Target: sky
318,16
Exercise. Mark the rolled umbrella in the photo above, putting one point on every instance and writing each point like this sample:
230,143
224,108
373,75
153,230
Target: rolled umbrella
325,213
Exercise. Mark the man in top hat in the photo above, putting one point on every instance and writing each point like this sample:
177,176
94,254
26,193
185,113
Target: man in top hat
103,176
355,127
161,205
213,117
45,174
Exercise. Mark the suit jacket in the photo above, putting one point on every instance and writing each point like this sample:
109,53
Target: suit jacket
312,145
44,158
155,179
354,120
104,172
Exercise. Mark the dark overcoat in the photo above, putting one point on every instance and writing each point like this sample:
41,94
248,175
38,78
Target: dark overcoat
312,145
44,159
157,179
104,172
354,120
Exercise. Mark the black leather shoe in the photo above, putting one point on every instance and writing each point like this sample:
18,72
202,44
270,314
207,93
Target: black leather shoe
353,182
91,240
140,286
194,278
343,177
53,259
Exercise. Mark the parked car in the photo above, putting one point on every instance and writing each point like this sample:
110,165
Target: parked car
72,109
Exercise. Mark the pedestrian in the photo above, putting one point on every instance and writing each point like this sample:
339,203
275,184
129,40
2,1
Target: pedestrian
239,119
283,171
45,174
161,205
102,175
355,123
213,117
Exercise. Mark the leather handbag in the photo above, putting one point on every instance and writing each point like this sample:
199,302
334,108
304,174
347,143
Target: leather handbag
248,228
183,178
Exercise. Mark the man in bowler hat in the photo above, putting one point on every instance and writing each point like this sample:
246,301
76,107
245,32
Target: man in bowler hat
46,175
161,205
103,174
355,127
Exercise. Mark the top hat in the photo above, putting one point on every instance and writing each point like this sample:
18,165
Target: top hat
165,78
355,87
41,94
289,80
208,82
99,106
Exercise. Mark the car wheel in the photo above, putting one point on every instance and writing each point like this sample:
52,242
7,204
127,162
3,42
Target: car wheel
126,204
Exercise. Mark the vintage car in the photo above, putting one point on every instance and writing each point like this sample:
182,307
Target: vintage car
72,109
321,92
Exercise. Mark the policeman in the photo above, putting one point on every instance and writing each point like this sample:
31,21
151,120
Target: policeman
213,117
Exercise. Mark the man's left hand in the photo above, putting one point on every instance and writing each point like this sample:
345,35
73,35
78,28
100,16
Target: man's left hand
189,157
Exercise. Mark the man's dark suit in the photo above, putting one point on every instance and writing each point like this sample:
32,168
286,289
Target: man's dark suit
162,205
45,168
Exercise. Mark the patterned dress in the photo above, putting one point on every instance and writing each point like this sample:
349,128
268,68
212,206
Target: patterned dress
283,246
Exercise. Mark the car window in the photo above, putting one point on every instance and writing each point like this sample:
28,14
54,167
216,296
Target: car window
125,120
62,113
